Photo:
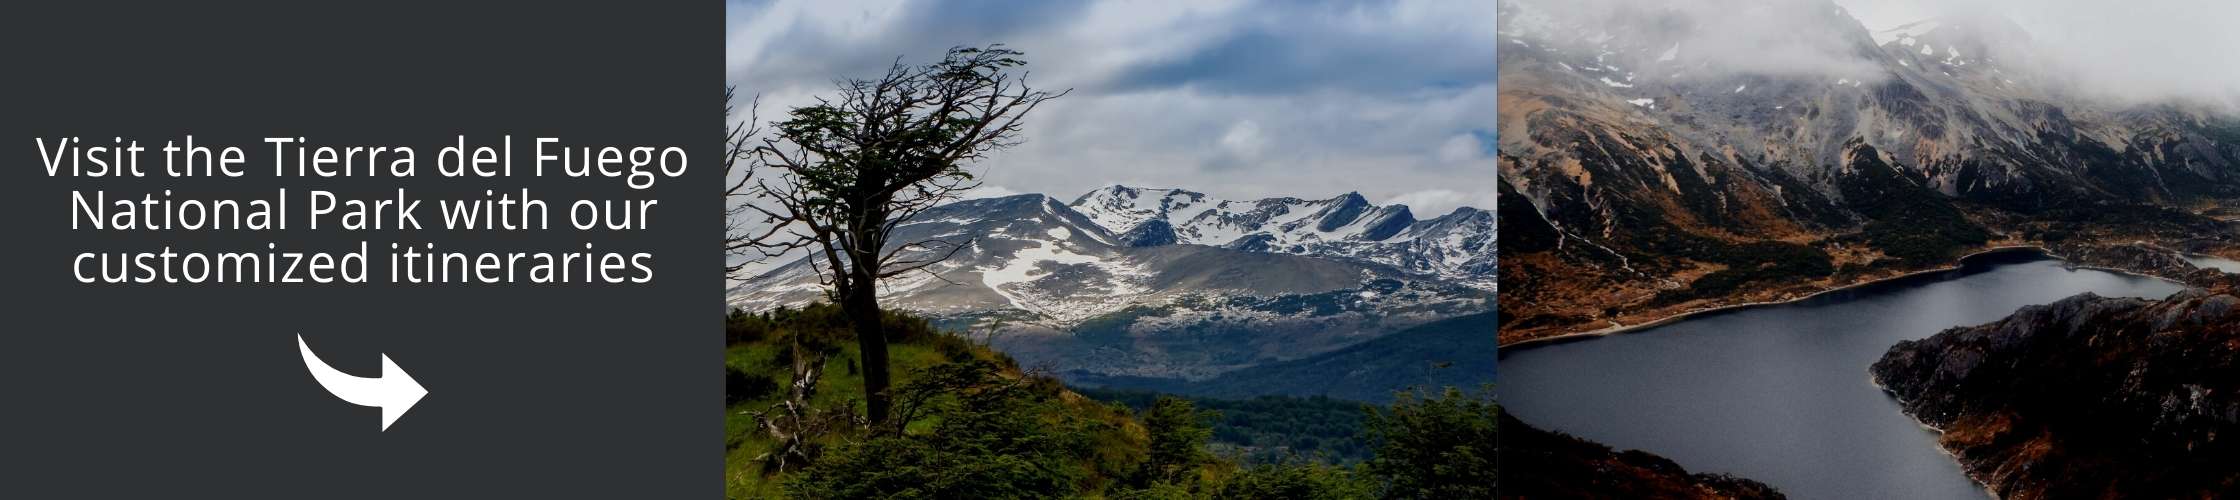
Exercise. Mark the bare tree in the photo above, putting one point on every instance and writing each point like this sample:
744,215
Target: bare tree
738,144
849,171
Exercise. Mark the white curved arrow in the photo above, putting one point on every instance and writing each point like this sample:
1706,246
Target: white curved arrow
394,391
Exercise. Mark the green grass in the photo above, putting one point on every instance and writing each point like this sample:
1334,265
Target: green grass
758,349
841,384
988,430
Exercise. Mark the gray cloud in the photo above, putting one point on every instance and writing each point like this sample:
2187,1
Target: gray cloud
1713,37
1306,46
1238,98
2135,49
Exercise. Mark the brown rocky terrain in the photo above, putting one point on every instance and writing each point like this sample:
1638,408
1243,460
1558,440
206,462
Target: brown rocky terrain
2146,259
2089,397
1641,180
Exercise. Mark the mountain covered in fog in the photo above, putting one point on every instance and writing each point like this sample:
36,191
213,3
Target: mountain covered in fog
1657,175
1174,284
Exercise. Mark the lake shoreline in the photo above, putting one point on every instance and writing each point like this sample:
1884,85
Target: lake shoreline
1948,452
1956,264
1708,383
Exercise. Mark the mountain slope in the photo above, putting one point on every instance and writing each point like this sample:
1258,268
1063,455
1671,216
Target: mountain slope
1456,247
1097,288
1673,179
2088,397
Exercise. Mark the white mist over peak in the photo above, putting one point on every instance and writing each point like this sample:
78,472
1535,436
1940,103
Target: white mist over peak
2136,51
2140,52
1673,39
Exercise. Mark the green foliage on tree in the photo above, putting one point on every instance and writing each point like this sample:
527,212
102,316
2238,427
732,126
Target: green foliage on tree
1178,439
1270,429
1179,467
1297,480
984,436
968,423
1434,447
835,179
775,425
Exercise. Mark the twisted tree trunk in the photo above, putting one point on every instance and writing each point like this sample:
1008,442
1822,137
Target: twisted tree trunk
862,307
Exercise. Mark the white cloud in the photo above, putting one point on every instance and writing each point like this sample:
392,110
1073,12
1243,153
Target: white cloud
1238,98
1462,148
1243,141
1716,37
2136,49
1436,202
988,191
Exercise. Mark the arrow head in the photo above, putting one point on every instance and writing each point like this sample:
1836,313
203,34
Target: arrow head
404,392
394,391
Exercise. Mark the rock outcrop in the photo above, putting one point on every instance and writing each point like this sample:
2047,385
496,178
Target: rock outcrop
2089,397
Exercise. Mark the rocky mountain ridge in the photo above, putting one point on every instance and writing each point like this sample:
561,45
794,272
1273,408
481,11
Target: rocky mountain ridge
1457,246
1668,177
1107,286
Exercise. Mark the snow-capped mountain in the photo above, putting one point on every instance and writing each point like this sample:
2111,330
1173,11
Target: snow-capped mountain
1095,287
1457,246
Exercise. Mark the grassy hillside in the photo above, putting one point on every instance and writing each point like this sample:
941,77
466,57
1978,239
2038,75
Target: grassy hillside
970,424
760,364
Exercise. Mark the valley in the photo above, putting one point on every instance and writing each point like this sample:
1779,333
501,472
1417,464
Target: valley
1718,219
1161,286
1742,185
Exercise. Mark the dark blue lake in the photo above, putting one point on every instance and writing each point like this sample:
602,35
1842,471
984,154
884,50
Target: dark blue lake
1781,393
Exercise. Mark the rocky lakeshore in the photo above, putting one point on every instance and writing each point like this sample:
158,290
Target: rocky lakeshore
2145,259
1541,464
2088,397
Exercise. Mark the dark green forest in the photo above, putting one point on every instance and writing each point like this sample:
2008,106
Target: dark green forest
1270,429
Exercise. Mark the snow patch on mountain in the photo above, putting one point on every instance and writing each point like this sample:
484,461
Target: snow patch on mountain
1044,258
1172,283
1345,227
1906,35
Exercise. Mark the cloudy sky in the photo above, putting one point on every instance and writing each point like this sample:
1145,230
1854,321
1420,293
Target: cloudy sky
2140,48
1236,98
2132,50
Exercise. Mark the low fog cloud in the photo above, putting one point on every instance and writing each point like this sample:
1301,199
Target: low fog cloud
1770,37
2134,49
